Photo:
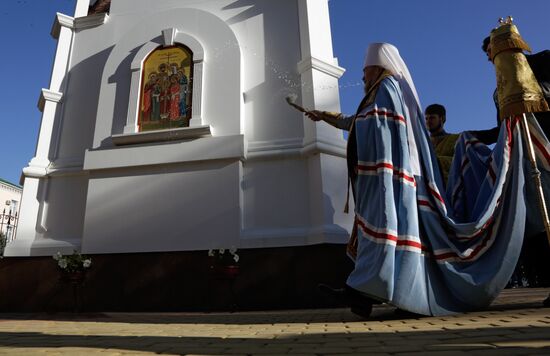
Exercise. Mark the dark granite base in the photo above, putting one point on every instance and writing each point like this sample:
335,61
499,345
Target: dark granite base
274,278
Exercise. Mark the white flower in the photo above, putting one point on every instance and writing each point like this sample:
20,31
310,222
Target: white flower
62,263
57,256
87,263
211,253
232,250
222,251
236,257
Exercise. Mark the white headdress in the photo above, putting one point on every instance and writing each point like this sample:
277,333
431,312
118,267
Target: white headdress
387,56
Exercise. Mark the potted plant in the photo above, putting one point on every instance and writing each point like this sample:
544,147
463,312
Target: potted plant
73,267
224,262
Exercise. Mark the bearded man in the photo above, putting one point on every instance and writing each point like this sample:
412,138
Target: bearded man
443,142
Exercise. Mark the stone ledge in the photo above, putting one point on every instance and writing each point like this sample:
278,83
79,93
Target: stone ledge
184,133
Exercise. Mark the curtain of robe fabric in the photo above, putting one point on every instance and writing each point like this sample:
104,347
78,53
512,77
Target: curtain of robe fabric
419,248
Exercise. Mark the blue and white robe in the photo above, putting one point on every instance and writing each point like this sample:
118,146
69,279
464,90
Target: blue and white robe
418,249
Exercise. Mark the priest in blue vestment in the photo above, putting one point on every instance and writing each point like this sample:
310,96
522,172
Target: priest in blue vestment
409,247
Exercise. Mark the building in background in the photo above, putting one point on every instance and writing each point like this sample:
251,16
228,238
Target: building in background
10,200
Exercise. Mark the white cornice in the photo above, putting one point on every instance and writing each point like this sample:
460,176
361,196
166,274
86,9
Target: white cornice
280,149
78,23
61,20
184,133
164,153
322,66
48,95
90,21
35,172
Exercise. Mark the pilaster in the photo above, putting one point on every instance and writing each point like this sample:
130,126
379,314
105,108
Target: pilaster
319,70
81,8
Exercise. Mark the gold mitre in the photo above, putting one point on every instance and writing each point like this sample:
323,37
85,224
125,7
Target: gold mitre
517,88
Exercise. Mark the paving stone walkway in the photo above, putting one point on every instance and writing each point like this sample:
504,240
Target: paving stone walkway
515,324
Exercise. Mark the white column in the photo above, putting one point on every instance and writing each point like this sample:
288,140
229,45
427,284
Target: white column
63,31
196,119
319,69
33,211
133,101
320,72
81,8
50,98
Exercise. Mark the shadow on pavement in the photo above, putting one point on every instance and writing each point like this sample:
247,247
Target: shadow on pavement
508,340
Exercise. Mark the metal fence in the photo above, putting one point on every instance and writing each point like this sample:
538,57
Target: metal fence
8,224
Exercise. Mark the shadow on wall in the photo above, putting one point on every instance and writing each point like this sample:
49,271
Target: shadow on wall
280,59
122,79
80,114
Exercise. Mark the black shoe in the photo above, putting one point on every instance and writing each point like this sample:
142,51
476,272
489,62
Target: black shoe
363,311
359,303
546,302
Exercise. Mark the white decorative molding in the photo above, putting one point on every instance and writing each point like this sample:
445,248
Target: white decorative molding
326,147
61,166
41,247
169,35
179,152
66,166
67,162
286,144
320,65
135,84
69,171
196,101
90,21
280,149
35,172
48,95
183,133
61,20
143,53
193,44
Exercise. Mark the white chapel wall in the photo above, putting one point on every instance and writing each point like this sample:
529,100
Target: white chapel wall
264,178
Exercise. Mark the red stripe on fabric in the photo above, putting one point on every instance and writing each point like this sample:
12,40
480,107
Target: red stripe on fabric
409,243
425,203
474,253
375,234
390,237
488,224
541,148
384,113
436,194
388,166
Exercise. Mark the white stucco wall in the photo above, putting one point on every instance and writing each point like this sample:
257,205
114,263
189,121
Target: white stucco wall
266,176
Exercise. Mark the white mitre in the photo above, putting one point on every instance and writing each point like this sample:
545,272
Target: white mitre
387,56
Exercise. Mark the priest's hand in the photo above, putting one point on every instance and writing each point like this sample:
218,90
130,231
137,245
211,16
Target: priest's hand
315,115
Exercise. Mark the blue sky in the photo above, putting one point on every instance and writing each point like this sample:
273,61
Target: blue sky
439,40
